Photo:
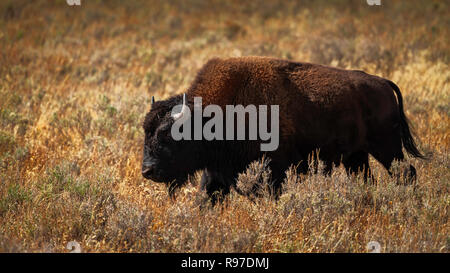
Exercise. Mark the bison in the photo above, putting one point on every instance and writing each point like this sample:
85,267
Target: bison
344,114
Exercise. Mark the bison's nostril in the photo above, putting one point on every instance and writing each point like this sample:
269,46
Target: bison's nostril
147,171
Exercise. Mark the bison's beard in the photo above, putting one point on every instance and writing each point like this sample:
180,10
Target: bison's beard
176,184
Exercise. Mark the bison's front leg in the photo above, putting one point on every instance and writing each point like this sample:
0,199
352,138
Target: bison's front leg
174,185
216,185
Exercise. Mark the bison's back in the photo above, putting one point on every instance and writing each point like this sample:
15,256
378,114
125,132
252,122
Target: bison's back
317,103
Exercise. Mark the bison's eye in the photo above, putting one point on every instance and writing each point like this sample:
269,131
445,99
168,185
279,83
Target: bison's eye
147,135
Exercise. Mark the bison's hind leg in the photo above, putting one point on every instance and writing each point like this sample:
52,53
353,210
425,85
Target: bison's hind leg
358,162
410,175
388,148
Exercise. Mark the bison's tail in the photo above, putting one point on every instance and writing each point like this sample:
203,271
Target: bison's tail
407,138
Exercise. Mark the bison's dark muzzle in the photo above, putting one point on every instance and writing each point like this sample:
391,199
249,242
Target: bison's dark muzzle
148,170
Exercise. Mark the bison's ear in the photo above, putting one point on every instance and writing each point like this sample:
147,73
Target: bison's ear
153,100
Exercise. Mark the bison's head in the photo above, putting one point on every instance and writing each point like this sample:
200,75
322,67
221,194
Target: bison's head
165,159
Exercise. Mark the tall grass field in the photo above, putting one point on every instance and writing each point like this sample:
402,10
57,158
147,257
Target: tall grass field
76,83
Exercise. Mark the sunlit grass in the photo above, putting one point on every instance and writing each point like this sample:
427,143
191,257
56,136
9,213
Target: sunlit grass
76,82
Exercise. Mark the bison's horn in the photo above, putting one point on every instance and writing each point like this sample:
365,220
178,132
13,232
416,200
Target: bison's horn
184,109
153,99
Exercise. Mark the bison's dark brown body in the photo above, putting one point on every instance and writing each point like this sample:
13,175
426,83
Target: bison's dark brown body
345,114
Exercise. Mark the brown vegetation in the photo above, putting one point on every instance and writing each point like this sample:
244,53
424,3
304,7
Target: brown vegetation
76,82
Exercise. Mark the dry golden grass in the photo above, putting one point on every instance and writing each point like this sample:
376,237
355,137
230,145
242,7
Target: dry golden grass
76,82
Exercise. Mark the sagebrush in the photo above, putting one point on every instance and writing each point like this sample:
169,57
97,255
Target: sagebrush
76,82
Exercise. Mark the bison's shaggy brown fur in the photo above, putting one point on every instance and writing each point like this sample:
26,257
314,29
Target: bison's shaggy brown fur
343,114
